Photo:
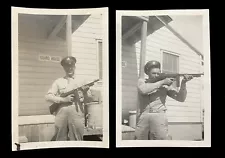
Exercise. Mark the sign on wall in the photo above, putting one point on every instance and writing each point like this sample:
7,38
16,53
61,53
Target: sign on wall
43,57
55,59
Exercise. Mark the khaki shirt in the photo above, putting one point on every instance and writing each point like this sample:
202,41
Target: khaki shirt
63,85
152,96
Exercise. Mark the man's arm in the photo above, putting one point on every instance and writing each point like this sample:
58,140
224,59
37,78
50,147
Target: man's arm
146,88
178,95
51,95
182,93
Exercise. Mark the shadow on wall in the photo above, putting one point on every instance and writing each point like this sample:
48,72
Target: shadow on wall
129,80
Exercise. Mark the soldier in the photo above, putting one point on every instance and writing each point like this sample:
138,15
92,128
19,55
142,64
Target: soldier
152,122
69,118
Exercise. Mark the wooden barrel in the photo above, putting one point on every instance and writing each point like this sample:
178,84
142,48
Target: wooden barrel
94,115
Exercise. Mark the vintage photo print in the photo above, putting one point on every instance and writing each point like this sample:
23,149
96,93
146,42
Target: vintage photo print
60,78
163,78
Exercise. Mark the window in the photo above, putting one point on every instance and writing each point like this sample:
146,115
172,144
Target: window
100,50
170,63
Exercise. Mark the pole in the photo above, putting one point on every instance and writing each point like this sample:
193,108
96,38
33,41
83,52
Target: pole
143,48
69,34
142,60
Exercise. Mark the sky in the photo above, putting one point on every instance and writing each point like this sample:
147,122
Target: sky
190,27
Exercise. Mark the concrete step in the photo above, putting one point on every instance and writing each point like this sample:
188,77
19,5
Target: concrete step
127,132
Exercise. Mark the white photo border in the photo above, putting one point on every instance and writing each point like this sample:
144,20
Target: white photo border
14,112
207,82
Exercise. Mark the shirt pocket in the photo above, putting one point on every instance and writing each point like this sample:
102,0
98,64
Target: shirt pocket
62,89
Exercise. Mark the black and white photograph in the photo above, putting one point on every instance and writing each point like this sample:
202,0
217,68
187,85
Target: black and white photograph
59,78
163,78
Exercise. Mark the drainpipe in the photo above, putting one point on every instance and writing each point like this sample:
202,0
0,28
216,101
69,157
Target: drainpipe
69,34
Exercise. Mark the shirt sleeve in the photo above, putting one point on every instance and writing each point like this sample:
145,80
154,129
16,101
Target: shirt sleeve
178,95
52,94
148,88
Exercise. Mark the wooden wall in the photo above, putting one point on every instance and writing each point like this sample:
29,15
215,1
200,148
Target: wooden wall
35,76
85,47
163,39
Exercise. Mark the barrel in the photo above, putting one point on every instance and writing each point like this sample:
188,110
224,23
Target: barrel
94,115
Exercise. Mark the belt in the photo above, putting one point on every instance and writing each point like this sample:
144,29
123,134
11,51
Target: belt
156,111
76,106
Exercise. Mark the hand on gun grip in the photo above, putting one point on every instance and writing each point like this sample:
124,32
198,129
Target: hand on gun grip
85,88
168,81
69,98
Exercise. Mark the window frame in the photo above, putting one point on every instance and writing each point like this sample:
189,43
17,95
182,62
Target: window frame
171,53
97,64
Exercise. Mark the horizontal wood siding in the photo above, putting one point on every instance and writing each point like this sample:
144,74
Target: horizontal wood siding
84,47
163,39
36,77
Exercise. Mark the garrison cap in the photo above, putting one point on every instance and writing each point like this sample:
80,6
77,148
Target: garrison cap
151,64
69,60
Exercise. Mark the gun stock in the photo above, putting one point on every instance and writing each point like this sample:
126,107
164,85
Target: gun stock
54,106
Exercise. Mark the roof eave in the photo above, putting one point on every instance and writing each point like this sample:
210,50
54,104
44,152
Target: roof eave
180,37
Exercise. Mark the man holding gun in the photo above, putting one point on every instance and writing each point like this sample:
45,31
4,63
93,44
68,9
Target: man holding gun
69,118
152,122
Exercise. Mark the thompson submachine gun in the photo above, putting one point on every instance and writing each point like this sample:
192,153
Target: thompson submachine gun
79,97
176,76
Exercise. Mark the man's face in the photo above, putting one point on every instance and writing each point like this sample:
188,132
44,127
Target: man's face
154,72
69,69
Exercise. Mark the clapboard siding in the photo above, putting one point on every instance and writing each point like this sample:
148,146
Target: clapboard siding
87,34
85,46
50,65
189,62
36,77
34,73
83,40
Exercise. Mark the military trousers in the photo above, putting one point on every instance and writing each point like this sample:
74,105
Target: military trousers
152,126
69,124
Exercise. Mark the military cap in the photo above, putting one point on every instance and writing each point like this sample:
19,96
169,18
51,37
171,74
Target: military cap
69,60
151,64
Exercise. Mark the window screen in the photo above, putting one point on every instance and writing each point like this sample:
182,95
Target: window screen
170,64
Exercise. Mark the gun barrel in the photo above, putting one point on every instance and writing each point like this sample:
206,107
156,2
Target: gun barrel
194,75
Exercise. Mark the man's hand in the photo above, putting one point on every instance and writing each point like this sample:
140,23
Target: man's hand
85,88
69,98
187,78
168,81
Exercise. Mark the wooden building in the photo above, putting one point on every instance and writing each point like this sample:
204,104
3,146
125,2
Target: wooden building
152,38
43,41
